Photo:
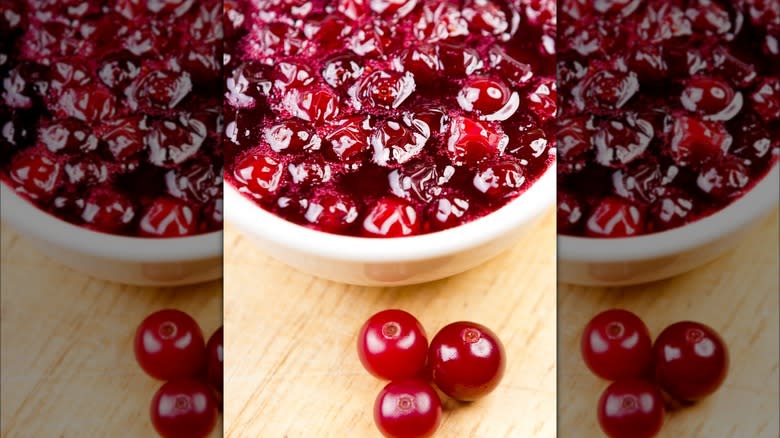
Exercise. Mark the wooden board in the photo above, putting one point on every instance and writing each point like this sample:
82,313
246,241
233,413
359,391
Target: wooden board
67,361
737,295
291,365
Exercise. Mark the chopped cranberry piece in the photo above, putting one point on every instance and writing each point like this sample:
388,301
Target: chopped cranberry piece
168,217
108,210
619,142
399,141
724,178
36,174
332,212
471,141
386,89
614,217
258,175
391,217
69,135
499,180
694,141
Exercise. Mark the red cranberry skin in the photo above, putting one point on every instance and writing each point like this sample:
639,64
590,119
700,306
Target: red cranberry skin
614,217
392,345
167,217
631,409
691,360
169,345
107,210
467,360
184,408
215,359
37,175
407,408
616,345
391,217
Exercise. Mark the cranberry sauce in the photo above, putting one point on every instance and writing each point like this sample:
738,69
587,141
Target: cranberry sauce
110,112
669,110
388,118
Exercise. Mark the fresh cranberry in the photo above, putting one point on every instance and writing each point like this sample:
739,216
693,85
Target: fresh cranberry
631,409
391,217
392,345
616,345
37,175
691,360
167,217
407,409
169,345
107,210
467,360
184,409
471,141
613,217
215,358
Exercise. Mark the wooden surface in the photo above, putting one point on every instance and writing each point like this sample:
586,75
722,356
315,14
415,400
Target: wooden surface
291,366
67,362
737,295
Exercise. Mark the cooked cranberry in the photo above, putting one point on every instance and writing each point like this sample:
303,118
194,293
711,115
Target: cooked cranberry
446,213
648,62
91,103
605,89
766,99
160,89
714,98
215,359
499,180
644,182
619,142
167,217
349,138
459,60
407,409
691,360
332,212
423,62
69,135
87,170
184,408
420,181
509,68
194,182
752,140
392,345
292,75
440,21
471,141
124,136
574,143
170,143
66,74
613,217
373,39
169,345
541,100
694,141
259,175
467,360
723,178
383,89
616,345
291,136
107,210
486,16
313,171
391,217
313,104
398,141
36,174
571,211
398,8
490,97
631,409
672,209
341,71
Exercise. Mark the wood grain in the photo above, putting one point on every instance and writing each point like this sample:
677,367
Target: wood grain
291,367
737,295
68,368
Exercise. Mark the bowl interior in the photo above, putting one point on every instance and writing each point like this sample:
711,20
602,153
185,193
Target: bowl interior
753,204
532,202
27,218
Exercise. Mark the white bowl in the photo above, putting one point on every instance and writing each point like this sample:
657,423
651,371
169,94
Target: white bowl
634,260
129,260
391,261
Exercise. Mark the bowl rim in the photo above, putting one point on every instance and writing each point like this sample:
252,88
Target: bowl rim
243,212
25,217
757,202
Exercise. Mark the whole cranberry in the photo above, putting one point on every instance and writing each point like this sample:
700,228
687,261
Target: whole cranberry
407,409
616,345
215,359
691,360
614,217
631,409
392,345
167,217
184,408
391,217
169,345
36,174
467,360
108,210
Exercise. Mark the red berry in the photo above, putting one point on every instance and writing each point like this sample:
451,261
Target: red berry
488,96
215,358
391,217
108,210
714,98
499,180
471,141
694,141
631,409
184,408
332,212
258,175
614,217
169,345
616,345
392,345
399,141
467,360
37,175
691,360
167,217
407,409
